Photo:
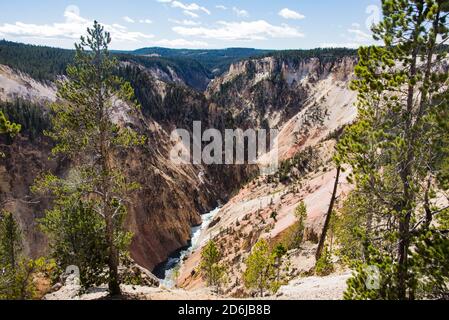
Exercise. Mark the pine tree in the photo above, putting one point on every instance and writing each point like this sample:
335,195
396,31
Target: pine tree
10,240
295,234
394,147
76,237
260,270
84,131
324,265
279,252
210,266
16,271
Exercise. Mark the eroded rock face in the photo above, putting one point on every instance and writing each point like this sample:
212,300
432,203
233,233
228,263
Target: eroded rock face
306,100
320,96
162,212
18,85
23,162
169,202
270,91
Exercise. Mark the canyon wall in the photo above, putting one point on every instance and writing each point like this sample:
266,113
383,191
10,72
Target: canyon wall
169,203
304,98
310,100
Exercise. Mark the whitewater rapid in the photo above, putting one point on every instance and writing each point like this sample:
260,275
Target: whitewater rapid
174,264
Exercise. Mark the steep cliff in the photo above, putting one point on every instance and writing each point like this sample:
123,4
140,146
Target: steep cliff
168,204
308,101
306,97
268,91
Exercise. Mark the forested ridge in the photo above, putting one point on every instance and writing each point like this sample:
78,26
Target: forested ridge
46,63
324,55
41,63
216,61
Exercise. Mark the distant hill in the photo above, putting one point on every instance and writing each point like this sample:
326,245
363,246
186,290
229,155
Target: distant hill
194,67
325,55
217,61
46,63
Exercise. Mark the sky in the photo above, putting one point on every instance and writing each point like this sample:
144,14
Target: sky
205,24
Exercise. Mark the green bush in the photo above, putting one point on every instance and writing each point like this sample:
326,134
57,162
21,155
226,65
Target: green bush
324,265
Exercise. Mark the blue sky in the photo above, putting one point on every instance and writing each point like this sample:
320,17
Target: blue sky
281,24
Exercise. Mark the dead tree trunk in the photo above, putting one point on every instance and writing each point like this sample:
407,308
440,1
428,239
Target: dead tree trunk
328,217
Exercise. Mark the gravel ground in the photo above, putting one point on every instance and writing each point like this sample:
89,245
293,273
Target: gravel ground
310,288
315,288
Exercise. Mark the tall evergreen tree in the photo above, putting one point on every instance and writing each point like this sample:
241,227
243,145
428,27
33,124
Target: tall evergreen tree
16,271
10,248
83,128
294,236
260,271
210,266
76,237
279,252
394,148
10,240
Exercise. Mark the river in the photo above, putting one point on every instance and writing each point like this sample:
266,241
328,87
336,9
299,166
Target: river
167,272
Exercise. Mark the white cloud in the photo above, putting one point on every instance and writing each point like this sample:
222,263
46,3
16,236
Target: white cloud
128,19
359,35
147,21
181,43
221,7
187,7
191,14
185,22
73,27
354,37
240,12
351,45
290,14
119,26
253,30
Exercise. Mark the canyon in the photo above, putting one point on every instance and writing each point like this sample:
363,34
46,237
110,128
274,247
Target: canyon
326,106
304,95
